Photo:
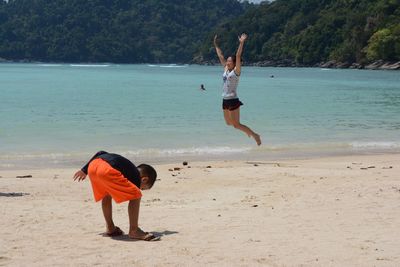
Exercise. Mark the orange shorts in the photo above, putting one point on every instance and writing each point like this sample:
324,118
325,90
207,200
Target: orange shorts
106,180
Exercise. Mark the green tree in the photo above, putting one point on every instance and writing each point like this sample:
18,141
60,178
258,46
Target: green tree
384,44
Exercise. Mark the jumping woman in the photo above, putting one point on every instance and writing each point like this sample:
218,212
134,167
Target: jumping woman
231,103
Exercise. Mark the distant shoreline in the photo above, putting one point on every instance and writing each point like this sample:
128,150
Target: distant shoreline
332,64
376,65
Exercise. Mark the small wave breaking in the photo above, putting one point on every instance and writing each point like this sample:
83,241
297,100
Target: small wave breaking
375,145
90,65
168,66
50,65
189,151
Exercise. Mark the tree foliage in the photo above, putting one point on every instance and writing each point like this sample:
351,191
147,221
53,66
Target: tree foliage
311,31
304,32
109,30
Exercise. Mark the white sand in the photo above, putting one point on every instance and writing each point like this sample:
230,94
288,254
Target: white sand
319,212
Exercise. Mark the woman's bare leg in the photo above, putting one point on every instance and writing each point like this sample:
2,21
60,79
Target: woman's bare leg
227,117
235,119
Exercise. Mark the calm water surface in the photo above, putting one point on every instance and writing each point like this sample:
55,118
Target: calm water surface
60,114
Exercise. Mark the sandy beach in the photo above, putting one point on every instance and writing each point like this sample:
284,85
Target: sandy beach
336,211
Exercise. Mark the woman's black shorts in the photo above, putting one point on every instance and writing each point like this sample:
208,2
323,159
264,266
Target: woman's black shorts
231,104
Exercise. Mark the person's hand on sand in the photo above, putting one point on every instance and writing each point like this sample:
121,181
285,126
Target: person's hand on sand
80,175
242,38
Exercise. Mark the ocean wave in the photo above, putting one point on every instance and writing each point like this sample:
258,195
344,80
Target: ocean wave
189,151
168,66
204,151
48,156
334,146
74,159
50,65
375,145
146,153
173,66
90,65
300,147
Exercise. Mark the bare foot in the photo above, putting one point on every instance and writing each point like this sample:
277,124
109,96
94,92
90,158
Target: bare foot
258,139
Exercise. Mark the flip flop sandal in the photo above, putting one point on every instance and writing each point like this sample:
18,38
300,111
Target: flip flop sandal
148,237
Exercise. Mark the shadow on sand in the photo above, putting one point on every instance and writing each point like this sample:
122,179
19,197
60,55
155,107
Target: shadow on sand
13,194
125,237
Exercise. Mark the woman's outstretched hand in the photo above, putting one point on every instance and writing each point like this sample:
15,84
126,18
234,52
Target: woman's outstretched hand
242,38
215,40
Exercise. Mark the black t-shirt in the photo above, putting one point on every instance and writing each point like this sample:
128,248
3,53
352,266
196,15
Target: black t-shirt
118,162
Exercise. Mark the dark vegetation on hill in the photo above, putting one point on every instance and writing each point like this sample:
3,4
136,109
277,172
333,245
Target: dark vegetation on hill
124,31
283,32
307,32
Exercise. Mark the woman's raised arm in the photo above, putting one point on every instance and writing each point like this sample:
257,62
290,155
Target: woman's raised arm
219,52
242,39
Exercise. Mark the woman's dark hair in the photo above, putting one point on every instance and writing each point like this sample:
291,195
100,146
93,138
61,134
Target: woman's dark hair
148,171
233,58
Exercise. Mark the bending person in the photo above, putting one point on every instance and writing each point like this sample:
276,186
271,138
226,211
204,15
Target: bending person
115,177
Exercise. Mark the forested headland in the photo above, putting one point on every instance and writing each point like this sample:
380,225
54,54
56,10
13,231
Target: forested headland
281,33
121,31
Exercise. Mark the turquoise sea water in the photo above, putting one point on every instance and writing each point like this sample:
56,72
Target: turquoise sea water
60,114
